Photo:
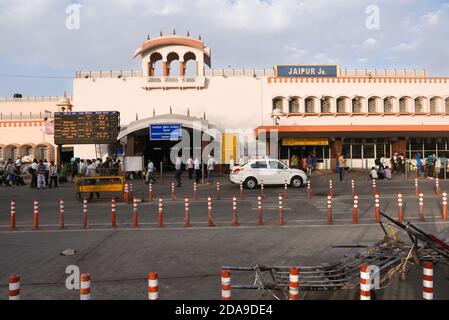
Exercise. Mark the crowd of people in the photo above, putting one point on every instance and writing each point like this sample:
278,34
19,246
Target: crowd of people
306,164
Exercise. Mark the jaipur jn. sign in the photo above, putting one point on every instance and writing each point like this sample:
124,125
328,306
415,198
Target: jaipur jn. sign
307,71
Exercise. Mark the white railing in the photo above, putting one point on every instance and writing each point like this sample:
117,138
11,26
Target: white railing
383,73
32,99
25,116
174,82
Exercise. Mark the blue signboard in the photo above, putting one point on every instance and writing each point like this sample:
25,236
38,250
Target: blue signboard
166,131
306,71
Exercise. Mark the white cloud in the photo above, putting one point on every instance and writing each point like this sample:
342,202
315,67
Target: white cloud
433,18
407,46
369,42
362,60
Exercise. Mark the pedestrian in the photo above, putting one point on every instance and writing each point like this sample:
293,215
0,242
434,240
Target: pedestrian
304,163
81,169
310,162
393,162
443,165
190,167
53,173
11,172
342,164
231,164
210,169
419,165
32,169
74,169
294,161
387,173
373,173
197,167
178,168
41,169
150,170
401,161
430,165
91,171
337,163
47,171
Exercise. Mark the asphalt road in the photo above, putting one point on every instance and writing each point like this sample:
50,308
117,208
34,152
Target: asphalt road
189,260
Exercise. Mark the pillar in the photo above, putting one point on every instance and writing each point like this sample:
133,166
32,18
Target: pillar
182,68
336,148
130,145
400,146
165,69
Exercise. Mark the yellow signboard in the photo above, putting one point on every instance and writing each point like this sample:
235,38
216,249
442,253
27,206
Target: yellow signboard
305,142
228,147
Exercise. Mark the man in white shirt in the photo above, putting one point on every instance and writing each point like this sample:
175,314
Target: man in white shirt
150,170
210,169
33,172
178,168
190,166
197,166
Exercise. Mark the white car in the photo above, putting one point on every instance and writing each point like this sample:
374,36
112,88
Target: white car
268,171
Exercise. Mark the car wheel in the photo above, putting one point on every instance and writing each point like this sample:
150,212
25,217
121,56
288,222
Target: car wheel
250,183
296,181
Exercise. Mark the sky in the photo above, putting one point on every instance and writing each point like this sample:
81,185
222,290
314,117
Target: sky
39,51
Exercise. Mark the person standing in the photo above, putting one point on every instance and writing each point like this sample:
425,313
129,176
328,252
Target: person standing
210,169
430,164
74,169
178,168
150,170
33,171
41,169
53,173
47,171
81,168
11,172
294,161
418,164
91,171
443,166
310,162
190,167
197,166
341,164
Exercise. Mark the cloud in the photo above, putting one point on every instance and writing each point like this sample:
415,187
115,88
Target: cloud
241,33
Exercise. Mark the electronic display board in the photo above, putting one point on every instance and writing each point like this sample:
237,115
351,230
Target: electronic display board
98,127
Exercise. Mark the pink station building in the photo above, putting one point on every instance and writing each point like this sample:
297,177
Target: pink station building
280,112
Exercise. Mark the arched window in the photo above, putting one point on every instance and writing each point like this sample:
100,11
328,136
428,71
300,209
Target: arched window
278,104
341,105
325,105
446,105
155,65
357,105
173,64
372,104
190,65
419,104
293,105
310,105
434,105
388,105
403,102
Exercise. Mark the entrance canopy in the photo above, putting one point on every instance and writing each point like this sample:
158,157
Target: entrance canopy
185,121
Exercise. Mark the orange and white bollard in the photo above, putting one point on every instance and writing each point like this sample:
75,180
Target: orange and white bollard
85,219
126,193
374,187
293,286
444,206
234,211
136,213
309,190
14,287
285,190
416,187
400,212
329,209
13,215
194,191
356,209
259,211
421,206
437,186
365,282
377,207
160,214
225,285
113,213
353,186
173,191
261,189
427,281
61,213
36,215
241,190
187,215
210,221
331,187
150,191
153,286
85,287
131,193
281,210
218,190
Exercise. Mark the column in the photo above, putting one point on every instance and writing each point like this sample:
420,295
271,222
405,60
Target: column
130,145
336,148
182,68
165,69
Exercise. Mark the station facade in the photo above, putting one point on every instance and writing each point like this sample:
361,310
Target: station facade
297,109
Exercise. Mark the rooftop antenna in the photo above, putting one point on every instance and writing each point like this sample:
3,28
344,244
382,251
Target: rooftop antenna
154,112
148,37
199,37
171,110
188,112
204,115
174,32
188,33
160,33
